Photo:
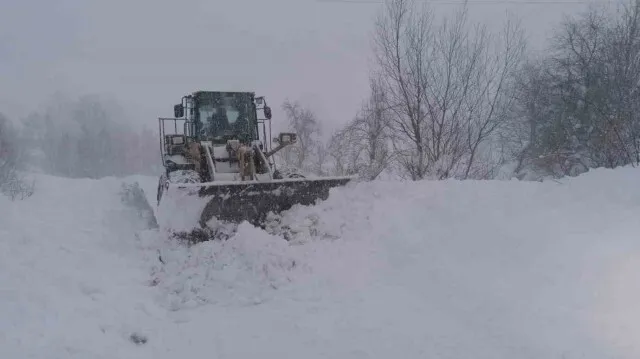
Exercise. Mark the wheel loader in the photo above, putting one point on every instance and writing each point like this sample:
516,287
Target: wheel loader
219,164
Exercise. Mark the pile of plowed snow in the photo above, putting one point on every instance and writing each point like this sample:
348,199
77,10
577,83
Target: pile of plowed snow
71,284
502,269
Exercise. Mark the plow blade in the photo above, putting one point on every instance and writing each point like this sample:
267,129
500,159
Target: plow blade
188,207
252,201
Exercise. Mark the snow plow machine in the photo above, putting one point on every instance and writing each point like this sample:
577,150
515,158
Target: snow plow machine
219,165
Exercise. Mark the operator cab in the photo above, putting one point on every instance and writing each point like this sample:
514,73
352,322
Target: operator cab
218,117
213,126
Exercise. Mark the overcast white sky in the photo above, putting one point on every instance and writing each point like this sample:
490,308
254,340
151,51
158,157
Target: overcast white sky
149,53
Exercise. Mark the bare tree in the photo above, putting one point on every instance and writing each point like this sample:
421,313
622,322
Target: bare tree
8,150
491,93
581,103
533,95
303,122
622,56
363,145
321,158
401,49
12,184
346,157
447,88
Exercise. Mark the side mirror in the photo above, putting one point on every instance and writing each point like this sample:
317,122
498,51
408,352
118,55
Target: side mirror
178,111
267,112
286,138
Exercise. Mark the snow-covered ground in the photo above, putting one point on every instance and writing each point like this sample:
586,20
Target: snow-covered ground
501,269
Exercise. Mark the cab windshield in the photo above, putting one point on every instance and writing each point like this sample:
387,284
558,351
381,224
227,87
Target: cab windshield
225,117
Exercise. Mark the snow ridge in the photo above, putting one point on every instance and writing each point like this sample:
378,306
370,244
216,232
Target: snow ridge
482,269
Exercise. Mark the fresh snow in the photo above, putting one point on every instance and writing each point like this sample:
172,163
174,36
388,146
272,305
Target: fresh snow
493,269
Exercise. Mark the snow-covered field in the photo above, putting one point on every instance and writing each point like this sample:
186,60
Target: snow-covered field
380,270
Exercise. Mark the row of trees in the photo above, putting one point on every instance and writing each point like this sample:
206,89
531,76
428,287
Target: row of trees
86,137
578,106
449,99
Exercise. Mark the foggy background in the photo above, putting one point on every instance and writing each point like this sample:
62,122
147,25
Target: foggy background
148,54
83,83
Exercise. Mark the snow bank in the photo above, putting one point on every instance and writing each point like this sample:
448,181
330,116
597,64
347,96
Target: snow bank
455,269
241,271
69,286
501,269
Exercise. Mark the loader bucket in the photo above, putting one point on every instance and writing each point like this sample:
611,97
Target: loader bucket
252,201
